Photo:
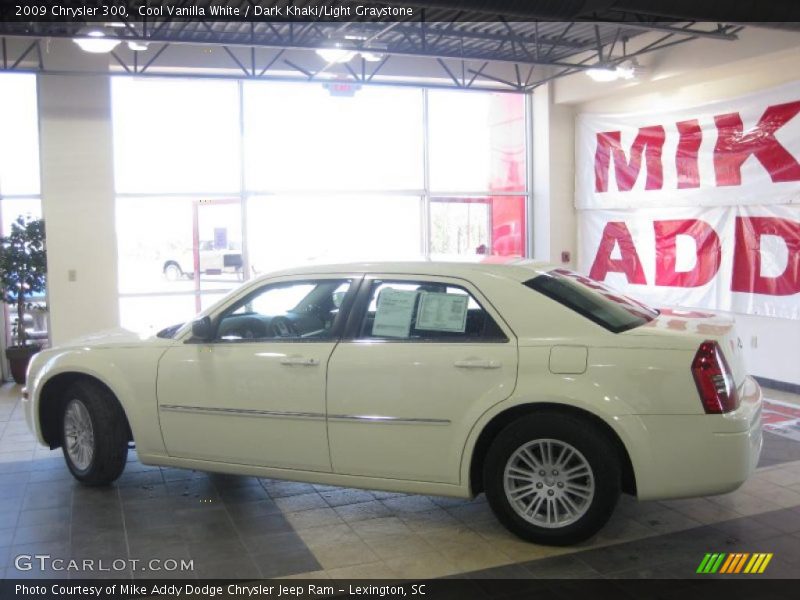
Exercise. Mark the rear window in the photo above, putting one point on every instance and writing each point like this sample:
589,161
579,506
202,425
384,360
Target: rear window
593,300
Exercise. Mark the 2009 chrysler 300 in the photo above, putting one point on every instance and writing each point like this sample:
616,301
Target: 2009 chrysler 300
542,388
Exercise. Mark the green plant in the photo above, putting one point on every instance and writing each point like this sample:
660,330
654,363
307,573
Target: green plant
23,267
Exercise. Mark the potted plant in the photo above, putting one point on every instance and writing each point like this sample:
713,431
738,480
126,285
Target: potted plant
23,266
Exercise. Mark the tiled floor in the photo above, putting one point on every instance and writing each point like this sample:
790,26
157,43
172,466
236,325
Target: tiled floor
244,527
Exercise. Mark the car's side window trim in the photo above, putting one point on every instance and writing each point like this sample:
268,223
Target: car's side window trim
336,329
352,329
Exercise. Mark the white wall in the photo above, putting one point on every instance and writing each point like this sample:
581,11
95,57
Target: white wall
78,201
693,74
554,219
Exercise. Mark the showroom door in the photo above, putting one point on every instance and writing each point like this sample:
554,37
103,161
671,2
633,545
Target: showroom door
421,360
256,394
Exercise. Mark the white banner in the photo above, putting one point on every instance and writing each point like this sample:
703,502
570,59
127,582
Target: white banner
740,259
697,208
742,151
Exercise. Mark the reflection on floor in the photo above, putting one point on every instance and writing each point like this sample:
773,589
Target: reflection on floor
244,527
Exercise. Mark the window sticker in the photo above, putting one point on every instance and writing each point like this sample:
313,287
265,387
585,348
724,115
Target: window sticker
442,312
395,310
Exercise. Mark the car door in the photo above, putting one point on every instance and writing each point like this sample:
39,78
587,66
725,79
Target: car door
421,360
255,394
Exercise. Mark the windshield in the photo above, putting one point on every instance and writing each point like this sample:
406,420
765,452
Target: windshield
593,300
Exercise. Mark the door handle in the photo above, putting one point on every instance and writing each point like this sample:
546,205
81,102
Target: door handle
299,361
477,364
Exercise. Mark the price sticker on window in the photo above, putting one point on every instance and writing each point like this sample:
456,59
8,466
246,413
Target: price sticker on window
442,312
394,313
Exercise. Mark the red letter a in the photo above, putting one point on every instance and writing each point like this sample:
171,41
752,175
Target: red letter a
617,233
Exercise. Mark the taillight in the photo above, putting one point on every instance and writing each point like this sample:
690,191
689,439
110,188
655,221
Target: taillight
714,379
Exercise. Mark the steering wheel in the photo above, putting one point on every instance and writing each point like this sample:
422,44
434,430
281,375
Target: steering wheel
283,327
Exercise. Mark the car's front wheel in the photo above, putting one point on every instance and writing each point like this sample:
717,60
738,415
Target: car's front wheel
552,478
94,434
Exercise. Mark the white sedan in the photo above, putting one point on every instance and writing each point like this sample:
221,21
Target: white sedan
540,387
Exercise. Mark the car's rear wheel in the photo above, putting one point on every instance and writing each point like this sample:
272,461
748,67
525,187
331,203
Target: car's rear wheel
552,479
94,434
172,271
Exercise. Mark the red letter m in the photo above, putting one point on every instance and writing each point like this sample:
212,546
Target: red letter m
650,141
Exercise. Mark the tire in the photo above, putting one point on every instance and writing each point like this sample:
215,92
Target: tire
106,437
514,484
173,271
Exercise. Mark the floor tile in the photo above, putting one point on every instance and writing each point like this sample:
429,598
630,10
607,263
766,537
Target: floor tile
290,561
344,554
313,518
783,521
428,519
246,511
236,495
383,526
376,570
300,502
409,504
560,567
474,556
103,543
395,546
278,489
363,510
340,497
422,566
6,537
327,535
36,534
44,516
241,567
258,526
275,544
217,550
667,521
210,532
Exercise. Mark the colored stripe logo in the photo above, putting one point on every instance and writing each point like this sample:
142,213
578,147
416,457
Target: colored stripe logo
734,562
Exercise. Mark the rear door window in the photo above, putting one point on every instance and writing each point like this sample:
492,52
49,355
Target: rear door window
426,311
593,300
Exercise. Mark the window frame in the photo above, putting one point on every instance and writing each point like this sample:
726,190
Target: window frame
360,308
335,330
532,284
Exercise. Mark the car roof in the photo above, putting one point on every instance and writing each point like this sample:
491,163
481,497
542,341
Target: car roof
517,269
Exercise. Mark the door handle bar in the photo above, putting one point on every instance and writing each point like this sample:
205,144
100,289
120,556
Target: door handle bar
299,361
477,364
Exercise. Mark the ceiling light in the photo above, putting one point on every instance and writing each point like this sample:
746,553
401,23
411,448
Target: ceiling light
335,55
95,41
625,72
137,46
371,56
603,74
630,69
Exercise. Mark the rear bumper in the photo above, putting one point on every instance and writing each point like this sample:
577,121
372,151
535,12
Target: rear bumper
684,456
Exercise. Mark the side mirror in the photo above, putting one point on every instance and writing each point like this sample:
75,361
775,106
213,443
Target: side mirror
202,330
